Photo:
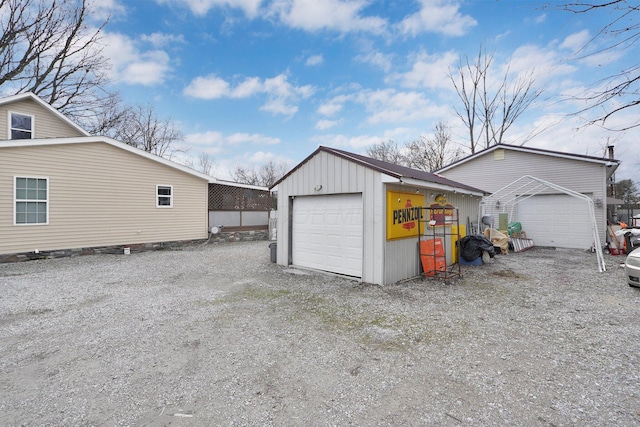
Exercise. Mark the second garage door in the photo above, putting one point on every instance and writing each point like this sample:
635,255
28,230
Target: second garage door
556,220
327,233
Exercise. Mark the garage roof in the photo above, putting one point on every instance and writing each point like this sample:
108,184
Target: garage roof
390,169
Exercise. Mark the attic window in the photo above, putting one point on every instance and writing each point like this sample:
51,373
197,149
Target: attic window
21,126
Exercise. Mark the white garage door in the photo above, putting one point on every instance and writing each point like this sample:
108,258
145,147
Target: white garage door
556,220
327,233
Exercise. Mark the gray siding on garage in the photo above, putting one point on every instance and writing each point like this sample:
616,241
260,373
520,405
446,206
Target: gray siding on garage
337,176
401,260
492,173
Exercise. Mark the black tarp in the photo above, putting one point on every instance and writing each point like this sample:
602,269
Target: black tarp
471,247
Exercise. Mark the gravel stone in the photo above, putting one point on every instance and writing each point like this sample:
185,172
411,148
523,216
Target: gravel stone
218,335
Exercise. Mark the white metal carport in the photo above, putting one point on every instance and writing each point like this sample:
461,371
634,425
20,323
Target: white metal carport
523,189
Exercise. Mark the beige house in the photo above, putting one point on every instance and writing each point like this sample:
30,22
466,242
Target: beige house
61,189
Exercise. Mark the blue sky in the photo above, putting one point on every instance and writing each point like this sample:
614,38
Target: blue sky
250,81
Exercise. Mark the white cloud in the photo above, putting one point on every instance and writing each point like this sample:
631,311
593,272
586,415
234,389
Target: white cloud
279,106
101,10
437,16
314,60
251,138
359,143
132,65
345,141
219,146
588,51
576,41
377,59
390,106
281,94
336,15
387,106
202,7
542,63
327,124
161,39
247,88
427,71
215,138
333,106
209,87
204,139
260,157
251,159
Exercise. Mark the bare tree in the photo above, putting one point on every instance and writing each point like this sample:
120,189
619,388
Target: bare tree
431,154
110,116
205,163
490,106
46,48
388,151
621,91
426,153
141,127
245,175
264,176
468,88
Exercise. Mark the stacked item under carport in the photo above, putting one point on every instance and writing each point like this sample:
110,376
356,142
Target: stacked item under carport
518,237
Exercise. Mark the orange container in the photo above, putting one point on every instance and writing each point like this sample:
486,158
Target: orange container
432,247
432,264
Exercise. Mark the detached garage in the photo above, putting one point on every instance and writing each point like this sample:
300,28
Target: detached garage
335,214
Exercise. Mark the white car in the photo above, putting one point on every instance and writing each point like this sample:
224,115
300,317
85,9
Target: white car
632,268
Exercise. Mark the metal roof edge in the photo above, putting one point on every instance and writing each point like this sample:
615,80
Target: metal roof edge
445,187
240,185
349,156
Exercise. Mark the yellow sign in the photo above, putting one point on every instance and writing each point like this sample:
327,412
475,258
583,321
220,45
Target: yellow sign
402,214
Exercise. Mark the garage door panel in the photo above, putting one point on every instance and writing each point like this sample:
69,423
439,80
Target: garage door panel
556,220
327,233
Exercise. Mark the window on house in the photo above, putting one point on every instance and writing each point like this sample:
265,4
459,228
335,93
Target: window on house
31,200
164,196
21,126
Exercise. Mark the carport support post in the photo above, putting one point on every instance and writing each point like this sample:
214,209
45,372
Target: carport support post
290,232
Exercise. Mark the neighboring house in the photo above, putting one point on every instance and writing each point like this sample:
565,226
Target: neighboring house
551,218
61,189
349,214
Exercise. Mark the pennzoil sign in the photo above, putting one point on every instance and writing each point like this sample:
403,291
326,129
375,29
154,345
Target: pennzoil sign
403,213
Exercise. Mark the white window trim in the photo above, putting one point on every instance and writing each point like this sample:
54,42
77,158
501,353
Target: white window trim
158,205
9,128
15,200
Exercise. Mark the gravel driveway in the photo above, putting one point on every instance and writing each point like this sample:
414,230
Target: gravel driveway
217,335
